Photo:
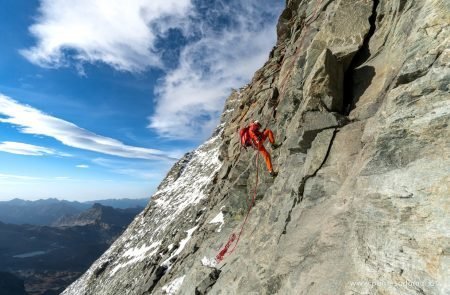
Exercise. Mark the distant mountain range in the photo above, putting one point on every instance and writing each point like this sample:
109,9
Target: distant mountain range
105,216
49,211
48,258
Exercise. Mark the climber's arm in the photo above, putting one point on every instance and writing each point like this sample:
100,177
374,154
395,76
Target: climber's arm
254,136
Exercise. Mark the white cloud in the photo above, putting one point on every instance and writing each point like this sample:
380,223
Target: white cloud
227,42
28,149
17,177
141,170
83,166
118,32
190,98
32,121
28,179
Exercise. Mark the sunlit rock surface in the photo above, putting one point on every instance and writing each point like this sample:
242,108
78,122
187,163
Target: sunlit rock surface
357,91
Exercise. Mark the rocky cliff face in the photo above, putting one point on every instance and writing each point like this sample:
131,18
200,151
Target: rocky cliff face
357,92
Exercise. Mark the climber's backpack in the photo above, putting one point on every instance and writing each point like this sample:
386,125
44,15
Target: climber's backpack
246,141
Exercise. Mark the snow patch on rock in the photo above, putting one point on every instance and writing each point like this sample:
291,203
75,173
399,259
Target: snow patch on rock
136,254
209,262
185,240
189,187
177,193
183,243
218,219
173,287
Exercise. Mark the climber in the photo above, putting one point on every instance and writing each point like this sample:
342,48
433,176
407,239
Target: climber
257,137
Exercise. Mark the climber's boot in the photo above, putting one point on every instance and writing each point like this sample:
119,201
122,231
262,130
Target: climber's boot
276,145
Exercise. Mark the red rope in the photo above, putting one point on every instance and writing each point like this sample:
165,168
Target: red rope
237,237
233,237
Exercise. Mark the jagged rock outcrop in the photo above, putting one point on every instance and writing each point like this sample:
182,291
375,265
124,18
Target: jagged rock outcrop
358,93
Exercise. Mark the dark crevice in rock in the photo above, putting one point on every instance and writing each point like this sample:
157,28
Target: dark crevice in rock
101,268
288,219
352,90
363,53
412,76
308,136
303,182
299,194
156,276
401,5
208,282
273,101
307,139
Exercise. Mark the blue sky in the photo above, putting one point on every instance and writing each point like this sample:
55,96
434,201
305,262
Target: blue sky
98,98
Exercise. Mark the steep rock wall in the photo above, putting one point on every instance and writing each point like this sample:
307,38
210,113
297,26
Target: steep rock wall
357,92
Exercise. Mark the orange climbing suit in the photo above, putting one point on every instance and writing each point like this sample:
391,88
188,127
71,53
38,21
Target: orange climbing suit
258,139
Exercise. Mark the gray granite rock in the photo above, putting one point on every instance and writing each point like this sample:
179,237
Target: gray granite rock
324,86
357,92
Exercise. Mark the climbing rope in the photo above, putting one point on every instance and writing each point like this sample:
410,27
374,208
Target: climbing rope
233,237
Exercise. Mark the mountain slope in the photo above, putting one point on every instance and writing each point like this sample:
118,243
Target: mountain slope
358,93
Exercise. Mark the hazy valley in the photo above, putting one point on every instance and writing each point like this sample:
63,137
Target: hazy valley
64,240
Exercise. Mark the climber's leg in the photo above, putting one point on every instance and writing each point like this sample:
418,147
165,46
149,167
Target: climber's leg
266,157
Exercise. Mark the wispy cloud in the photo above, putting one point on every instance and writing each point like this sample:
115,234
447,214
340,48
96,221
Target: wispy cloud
32,121
225,56
118,32
225,42
27,178
142,170
20,148
190,97
17,177
82,166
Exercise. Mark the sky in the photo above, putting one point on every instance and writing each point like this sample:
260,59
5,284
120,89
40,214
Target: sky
99,98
